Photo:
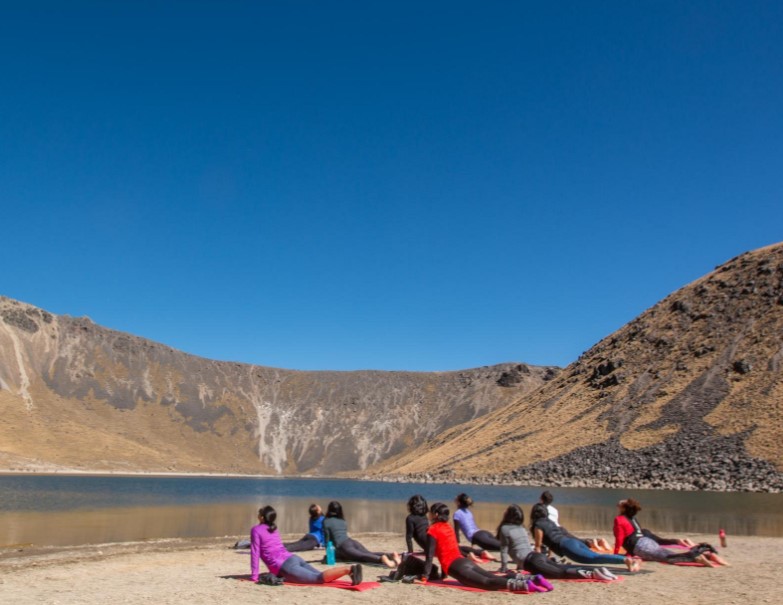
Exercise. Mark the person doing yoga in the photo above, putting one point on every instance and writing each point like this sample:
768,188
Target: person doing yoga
515,545
463,521
265,544
553,514
348,549
642,543
546,499
563,543
442,544
314,537
416,526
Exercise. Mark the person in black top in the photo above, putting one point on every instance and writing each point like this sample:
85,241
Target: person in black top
563,543
416,526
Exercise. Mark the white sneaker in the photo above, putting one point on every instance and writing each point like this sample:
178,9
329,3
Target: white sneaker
587,574
609,573
604,574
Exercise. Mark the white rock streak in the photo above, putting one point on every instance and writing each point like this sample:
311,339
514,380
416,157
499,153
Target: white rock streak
24,379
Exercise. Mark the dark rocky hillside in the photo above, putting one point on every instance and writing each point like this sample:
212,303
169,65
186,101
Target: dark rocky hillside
75,395
688,395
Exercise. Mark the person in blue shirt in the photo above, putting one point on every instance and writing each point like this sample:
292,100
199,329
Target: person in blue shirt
314,538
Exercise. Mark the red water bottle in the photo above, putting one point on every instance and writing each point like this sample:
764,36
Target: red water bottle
722,536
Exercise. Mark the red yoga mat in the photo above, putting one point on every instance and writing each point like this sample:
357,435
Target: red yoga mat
454,584
343,584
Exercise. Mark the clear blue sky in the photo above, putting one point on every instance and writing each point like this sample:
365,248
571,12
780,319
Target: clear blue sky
387,185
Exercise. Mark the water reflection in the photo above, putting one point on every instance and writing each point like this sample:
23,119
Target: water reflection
68,510
95,526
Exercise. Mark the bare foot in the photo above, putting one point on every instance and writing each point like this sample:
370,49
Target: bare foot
397,558
717,559
488,556
387,562
473,557
704,561
687,542
633,564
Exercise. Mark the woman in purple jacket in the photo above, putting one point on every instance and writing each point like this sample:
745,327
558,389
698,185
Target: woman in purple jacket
265,543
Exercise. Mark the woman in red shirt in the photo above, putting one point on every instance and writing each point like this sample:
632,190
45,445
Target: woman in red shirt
642,543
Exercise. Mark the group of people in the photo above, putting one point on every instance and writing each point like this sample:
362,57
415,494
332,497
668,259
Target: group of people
429,528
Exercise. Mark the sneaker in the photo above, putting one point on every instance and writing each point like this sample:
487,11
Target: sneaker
603,574
518,575
518,585
356,574
609,573
587,574
541,581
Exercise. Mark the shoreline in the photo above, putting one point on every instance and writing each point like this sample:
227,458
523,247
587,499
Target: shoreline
413,480
210,572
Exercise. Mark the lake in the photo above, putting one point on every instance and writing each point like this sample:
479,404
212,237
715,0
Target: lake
64,510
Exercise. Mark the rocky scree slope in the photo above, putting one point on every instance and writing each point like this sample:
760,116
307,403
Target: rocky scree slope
689,395
74,395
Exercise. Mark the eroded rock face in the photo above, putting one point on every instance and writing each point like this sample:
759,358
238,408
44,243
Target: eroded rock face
687,395
76,394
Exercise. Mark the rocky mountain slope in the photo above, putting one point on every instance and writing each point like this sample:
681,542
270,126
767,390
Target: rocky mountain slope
78,396
687,395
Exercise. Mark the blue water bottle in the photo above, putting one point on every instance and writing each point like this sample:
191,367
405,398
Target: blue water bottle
330,553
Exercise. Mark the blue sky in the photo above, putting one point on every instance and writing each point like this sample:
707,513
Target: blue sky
385,185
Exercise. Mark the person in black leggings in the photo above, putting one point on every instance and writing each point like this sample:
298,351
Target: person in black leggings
463,521
348,549
416,526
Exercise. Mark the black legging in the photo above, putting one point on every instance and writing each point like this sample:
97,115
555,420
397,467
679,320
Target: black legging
485,540
688,556
413,566
536,562
306,542
468,573
659,540
351,550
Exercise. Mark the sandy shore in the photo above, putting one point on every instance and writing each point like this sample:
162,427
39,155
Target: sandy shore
207,572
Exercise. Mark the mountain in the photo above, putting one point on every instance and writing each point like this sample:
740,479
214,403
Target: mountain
75,395
688,395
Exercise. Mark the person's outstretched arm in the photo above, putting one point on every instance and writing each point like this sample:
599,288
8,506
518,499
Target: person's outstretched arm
255,552
430,553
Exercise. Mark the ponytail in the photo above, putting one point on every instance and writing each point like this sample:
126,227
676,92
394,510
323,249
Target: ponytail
270,516
440,511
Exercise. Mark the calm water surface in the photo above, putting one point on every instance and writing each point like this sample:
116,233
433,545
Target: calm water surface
70,510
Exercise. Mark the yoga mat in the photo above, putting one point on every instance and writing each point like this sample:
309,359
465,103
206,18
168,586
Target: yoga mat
343,584
619,579
454,584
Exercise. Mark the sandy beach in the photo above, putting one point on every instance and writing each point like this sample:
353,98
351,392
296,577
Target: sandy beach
209,572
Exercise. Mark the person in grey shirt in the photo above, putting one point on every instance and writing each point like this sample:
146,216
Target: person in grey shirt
515,546
348,549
